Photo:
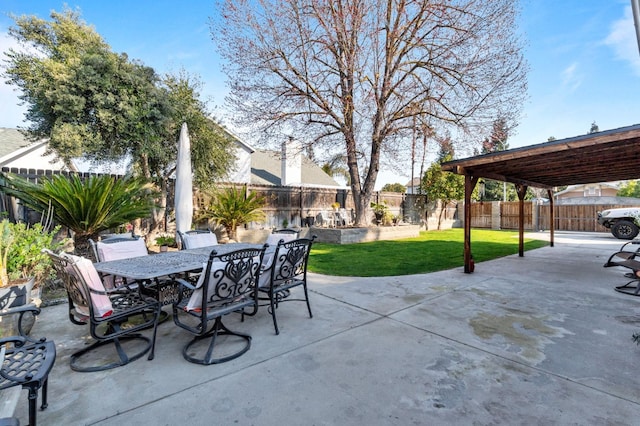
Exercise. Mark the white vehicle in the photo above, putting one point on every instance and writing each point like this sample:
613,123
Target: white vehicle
622,222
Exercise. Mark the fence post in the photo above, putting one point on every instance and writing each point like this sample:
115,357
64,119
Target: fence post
496,216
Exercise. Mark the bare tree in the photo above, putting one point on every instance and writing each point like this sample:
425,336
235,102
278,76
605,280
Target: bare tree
352,74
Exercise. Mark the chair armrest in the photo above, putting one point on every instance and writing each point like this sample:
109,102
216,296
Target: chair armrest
17,341
21,309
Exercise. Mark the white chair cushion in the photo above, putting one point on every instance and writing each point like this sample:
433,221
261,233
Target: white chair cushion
195,301
204,239
272,241
117,251
267,263
121,249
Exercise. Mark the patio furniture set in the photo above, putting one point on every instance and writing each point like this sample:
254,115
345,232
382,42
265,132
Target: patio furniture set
123,293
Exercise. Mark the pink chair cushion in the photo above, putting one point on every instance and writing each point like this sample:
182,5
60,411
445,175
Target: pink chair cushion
192,241
101,303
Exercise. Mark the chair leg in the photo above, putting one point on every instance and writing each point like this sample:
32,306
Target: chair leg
33,400
306,296
219,329
122,355
45,386
273,307
628,289
155,332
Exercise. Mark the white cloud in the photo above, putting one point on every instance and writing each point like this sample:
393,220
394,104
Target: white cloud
622,39
571,77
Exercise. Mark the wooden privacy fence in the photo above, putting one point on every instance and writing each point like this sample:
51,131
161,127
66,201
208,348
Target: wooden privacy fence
505,215
293,204
576,217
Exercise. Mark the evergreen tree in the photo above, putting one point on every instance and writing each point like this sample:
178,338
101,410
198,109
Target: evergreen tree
630,189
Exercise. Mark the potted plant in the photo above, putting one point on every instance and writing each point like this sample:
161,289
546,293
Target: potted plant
335,206
232,207
23,266
379,211
165,241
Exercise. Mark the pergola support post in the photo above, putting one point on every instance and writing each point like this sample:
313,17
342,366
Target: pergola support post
552,219
522,191
469,184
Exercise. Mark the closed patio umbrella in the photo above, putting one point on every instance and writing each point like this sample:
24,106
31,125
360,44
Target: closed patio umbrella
184,183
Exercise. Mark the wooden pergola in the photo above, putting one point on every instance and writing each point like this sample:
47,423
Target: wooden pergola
598,157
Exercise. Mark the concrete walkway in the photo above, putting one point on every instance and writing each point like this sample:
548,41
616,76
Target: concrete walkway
542,339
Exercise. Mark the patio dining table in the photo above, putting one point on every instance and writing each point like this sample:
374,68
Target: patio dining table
170,263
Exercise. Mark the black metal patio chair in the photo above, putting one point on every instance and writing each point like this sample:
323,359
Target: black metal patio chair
627,258
25,361
114,316
227,284
288,269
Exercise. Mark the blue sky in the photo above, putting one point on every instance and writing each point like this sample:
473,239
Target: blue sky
583,57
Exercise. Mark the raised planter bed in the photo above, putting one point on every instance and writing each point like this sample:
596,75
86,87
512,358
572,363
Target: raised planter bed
339,235
361,235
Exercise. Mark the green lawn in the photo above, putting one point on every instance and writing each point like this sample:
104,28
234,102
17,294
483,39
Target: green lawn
431,251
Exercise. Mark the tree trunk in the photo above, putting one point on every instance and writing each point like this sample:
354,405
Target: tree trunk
81,246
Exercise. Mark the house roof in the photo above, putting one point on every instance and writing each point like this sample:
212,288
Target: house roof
581,187
266,169
598,157
415,182
16,150
12,140
265,165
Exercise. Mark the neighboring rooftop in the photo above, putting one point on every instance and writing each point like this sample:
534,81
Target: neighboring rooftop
266,169
12,140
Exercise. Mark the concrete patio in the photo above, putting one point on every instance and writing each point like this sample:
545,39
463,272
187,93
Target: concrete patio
542,339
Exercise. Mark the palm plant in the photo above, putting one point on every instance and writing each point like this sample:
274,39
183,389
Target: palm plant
87,207
230,208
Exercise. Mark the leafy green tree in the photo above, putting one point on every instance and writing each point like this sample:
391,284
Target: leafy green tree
211,145
439,185
230,207
594,128
630,189
87,207
86,99
94,103
394,187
